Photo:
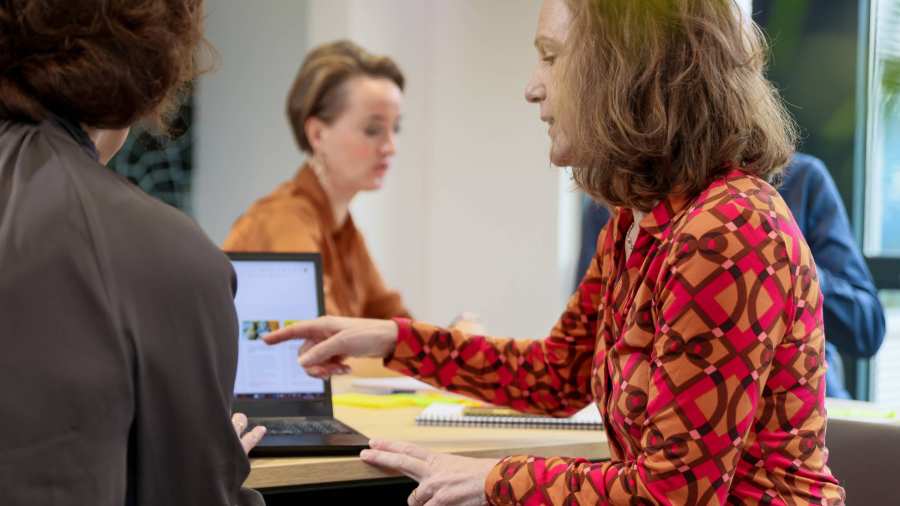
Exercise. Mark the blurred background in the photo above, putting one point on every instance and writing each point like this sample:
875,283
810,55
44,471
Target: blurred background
472,216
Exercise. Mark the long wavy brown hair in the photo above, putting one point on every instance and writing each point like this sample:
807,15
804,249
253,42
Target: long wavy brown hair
661,96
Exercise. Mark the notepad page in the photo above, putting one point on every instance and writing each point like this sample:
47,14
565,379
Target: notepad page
452,414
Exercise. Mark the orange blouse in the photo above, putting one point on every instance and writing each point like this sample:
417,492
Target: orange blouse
703,351
297,218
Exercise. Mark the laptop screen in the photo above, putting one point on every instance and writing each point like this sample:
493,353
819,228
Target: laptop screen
273,291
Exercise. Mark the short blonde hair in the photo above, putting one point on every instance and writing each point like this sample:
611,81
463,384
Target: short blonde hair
660,96
318,87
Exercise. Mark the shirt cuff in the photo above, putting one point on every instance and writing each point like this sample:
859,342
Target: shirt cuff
405,338
496,489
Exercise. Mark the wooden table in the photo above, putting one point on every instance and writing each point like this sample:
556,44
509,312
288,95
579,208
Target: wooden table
399,424
318,479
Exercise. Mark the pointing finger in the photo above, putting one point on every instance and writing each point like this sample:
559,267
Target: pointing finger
306,329
324,351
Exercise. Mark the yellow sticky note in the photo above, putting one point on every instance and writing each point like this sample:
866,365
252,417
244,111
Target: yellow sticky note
391,401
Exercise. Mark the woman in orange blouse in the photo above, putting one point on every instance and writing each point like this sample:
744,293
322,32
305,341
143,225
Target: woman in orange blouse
344,108
698,328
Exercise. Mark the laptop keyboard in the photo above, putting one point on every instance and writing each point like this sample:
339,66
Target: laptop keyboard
289,427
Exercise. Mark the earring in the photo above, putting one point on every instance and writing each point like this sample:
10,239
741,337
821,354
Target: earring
318,165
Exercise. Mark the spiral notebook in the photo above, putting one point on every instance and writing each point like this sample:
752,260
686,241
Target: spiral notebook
454,415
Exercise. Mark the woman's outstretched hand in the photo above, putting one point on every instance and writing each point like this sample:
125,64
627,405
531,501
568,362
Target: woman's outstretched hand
331,339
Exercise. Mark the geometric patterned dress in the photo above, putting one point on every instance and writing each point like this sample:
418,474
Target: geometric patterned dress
703,351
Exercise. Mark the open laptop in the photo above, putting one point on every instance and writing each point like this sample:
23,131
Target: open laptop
273,290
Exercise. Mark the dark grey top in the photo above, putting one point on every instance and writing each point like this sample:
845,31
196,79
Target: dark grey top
118,340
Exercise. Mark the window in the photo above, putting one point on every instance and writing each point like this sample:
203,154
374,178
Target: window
882,186
882,236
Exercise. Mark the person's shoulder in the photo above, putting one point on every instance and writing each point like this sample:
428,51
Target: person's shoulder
159,260
806,164
284,203
740,206
131,231
41,206
269,220
279,222
807,172
58,182
69,206
740,220
113,204
735,192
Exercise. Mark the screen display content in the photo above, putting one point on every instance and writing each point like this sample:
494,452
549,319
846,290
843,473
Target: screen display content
272,294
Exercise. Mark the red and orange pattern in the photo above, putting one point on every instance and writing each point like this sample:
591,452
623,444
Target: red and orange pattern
703,350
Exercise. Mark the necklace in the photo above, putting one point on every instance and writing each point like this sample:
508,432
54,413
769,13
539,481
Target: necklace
630,237
633,231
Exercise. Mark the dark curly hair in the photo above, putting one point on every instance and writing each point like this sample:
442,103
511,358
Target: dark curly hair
103,63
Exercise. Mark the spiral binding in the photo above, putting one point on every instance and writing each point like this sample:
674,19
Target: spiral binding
450,415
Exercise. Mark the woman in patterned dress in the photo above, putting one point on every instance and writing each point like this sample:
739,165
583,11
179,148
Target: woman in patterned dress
697,329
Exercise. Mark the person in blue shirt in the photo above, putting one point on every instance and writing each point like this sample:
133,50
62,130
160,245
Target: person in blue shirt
854,318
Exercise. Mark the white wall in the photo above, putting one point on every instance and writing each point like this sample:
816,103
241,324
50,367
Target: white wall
470,218
494,194
243,145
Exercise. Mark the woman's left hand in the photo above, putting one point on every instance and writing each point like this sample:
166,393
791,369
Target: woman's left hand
443,479
250,439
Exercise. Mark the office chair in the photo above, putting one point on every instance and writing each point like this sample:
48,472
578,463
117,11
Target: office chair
865,457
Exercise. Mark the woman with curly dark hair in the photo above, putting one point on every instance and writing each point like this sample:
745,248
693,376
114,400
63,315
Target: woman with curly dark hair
119,347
